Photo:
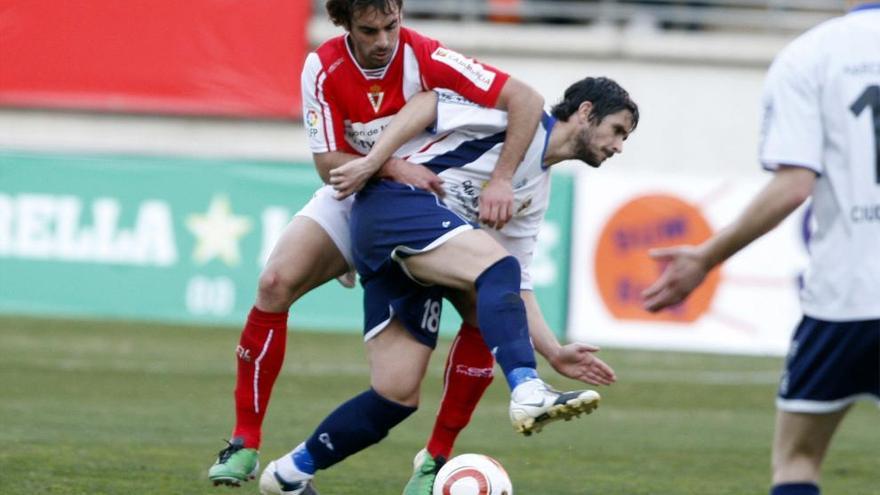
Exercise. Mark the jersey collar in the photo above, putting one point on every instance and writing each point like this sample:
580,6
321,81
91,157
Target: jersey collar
373,73
547,121
867,6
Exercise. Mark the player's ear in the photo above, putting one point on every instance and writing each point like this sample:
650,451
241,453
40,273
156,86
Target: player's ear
584,111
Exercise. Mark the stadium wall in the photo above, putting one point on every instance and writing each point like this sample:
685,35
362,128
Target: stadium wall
200,57
182,240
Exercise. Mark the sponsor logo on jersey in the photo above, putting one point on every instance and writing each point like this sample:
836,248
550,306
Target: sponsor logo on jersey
524,206
468,67
453,98
312,120
376,95
363,135
335,64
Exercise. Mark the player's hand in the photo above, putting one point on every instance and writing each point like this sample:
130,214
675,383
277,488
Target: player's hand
683,271
350,178
578,361
496,203
416,175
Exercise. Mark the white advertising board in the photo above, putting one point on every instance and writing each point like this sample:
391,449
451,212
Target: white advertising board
749,305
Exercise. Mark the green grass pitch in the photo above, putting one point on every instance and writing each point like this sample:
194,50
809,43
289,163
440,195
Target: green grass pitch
132,408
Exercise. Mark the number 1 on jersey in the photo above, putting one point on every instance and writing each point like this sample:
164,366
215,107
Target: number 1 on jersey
871,98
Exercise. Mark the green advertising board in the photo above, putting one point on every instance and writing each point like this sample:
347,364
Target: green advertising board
183,240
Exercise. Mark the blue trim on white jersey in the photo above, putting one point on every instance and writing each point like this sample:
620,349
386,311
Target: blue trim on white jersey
465,154
547,121
867,6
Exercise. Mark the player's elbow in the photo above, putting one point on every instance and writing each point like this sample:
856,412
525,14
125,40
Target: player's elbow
799,184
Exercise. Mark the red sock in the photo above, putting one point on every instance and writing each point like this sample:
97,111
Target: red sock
468,374
260,355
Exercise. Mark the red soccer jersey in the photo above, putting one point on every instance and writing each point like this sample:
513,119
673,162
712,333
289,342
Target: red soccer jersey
345,107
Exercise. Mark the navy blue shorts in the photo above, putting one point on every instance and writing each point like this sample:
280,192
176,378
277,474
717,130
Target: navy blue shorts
830,365
390,221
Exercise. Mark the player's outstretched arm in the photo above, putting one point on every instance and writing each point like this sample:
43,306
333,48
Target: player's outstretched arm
576,360
687,266
524,107
416,116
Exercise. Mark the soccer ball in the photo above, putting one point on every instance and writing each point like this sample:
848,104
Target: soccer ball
472,474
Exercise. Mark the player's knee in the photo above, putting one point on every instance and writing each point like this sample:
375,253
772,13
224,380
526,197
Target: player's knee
503,277
279,288
398,393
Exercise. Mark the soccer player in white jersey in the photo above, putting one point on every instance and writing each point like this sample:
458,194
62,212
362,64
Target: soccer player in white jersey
352,85
405,238
821,137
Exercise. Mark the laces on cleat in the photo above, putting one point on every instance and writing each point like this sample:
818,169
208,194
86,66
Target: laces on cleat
231,447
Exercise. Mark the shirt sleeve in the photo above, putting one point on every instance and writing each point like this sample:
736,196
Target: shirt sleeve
322,119
792,123
445,68
455,112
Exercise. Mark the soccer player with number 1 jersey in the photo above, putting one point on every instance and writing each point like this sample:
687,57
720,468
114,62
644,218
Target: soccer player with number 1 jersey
821,138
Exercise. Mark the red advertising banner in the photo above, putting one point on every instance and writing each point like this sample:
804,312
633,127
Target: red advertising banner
207,57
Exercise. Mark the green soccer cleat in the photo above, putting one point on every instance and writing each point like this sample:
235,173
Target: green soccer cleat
425,470
234,464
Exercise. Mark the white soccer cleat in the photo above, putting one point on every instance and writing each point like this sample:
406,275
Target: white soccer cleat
271,483
534,404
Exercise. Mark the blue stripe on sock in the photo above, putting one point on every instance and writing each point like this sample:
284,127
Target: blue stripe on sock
521,375
303,460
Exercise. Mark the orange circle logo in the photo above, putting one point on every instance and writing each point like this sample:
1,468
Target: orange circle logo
624,269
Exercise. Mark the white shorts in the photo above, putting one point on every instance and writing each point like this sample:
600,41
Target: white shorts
332,215
521,248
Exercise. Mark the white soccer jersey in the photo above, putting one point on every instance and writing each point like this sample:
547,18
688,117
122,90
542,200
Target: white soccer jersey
822,111
463,152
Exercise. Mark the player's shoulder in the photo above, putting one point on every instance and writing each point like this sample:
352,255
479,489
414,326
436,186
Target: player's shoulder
329,52
420,44
817,42
416,39
326,59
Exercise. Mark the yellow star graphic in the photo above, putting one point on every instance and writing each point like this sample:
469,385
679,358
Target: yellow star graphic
217,232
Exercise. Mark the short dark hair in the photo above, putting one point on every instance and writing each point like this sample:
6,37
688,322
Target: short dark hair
605,94
342,11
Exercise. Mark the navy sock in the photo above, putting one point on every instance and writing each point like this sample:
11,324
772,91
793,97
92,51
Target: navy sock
795,489
354,426
502,316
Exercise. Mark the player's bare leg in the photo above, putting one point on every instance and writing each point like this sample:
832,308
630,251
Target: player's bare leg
468,373
799,445
472,260
397,365
304,257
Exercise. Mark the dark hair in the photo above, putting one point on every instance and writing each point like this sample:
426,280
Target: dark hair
342,11
605,94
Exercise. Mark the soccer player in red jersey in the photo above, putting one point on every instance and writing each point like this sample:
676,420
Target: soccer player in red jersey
352,86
